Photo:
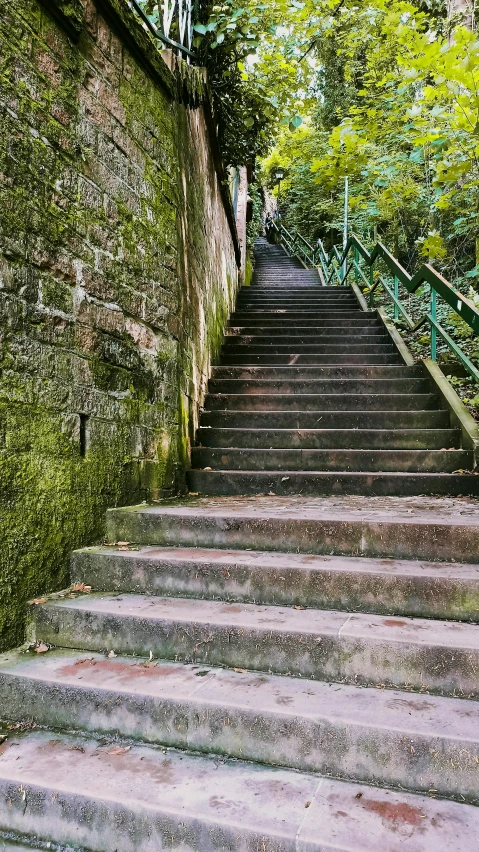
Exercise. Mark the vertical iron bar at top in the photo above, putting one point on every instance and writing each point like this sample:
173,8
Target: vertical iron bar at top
345,228
396,293
433,330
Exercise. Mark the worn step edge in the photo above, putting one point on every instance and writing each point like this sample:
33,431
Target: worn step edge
228,483
440,657
101,801
349,732
306,526
355,460
386,587
332,438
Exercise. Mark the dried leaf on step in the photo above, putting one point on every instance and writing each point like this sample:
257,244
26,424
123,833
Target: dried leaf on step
123,543
38,601
41,648
297,606
80,587
117,750
240,671
111,655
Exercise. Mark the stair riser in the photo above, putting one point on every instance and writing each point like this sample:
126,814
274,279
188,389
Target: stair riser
94,822
251,358
421,439
336,420
298,304
331,386
401,539
281,321
243,317
355,589
313,402
304,374
246,350
293,339
328,746
318,484
145,801
406,461
351,655
299,331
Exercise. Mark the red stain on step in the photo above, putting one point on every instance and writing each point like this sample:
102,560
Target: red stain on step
117,668
394,622
396,815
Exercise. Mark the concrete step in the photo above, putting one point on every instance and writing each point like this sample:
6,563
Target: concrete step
316,298
440,657
298,304
305,373
243,317
262,339
398,528
246,350
413,461
251,358
218,483
309,439
324,385
304,331
336,420
383,586
281,320
325,402
344,731
202,804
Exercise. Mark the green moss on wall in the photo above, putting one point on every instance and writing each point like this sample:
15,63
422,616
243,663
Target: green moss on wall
113,292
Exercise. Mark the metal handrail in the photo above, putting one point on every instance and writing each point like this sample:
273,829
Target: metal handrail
184,18
337,265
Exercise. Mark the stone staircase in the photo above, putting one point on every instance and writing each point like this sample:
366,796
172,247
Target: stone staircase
312,397
260,673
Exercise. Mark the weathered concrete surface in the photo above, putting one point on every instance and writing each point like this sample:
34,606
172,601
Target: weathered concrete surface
412,528
103,797
439,656
411,741
385,586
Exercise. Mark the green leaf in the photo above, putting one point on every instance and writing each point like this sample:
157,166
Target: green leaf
296,121
200,28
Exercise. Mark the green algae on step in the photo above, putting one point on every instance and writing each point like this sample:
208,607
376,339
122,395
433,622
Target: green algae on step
382,586
207,805
438,656
343,731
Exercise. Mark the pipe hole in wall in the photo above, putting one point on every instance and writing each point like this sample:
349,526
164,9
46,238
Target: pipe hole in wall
84,434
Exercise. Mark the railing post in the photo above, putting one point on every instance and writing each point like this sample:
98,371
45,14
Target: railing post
396,293
433,330
371,284
356,262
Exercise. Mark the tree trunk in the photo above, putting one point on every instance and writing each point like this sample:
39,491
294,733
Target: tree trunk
464,8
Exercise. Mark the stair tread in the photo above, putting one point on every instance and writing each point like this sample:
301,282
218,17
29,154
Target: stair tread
395,511
262,559
410,713
183,796
304,622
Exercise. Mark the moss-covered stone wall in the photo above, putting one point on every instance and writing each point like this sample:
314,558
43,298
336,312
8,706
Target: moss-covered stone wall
118,267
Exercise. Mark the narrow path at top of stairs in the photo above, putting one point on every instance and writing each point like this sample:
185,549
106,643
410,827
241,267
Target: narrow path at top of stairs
311,396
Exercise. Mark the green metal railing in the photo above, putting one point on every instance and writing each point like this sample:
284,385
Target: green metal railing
338,264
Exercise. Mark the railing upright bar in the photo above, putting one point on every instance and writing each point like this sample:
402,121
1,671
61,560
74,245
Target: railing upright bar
433,327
